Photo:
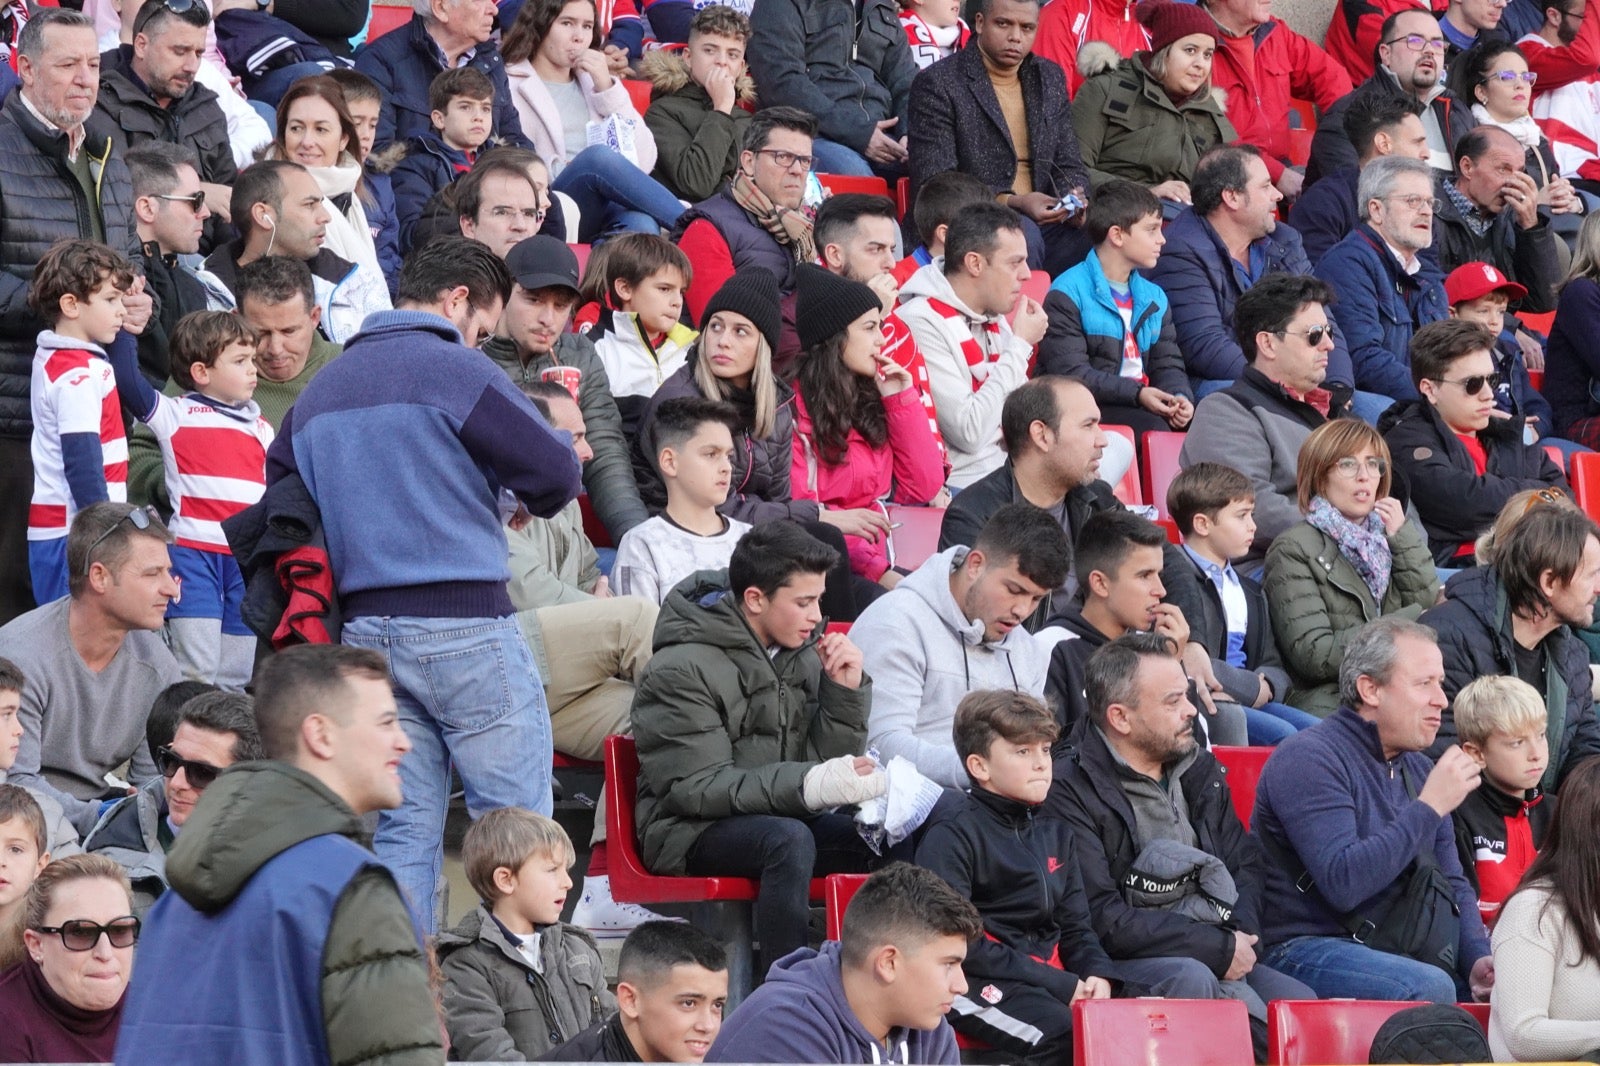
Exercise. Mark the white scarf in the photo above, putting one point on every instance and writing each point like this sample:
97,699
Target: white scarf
1524,129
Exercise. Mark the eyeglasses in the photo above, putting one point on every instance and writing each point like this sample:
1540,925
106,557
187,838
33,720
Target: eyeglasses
1416,202
139,518
1527,77
176,7
1314,335
1416,42
199,774
527,214
1351,467
196,201
80,934
1473,385
785,160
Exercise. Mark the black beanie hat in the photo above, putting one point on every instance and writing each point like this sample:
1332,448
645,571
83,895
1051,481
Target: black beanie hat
827,303
753,293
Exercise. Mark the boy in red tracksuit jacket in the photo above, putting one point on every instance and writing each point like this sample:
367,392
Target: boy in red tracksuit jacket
1501,722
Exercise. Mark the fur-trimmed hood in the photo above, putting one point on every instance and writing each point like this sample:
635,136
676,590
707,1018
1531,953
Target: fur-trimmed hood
668,72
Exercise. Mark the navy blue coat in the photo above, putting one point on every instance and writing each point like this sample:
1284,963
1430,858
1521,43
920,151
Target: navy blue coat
429,165
1326,212
404,62
1379,307
385,224
1203,287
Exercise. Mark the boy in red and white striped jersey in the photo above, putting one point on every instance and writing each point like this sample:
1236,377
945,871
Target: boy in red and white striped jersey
214,444
80,449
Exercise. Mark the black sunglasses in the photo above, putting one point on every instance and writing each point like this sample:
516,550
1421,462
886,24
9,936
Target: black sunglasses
200,774
139,518
1474,385
80,934
176,7
1314,336
195,200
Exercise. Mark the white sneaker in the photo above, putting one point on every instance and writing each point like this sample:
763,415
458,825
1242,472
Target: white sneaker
604,917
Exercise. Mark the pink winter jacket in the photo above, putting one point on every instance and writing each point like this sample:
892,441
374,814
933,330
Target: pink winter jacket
908,466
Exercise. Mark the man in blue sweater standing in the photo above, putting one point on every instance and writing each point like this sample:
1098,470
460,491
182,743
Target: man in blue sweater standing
1355,822
407,442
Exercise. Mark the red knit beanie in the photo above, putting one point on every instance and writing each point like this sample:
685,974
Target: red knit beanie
1169,21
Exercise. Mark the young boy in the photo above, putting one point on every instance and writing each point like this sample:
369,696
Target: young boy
80,448
56,834
934,29
1214,507
940,199
694,452
462,103
1501,722
1119,558
214,445
24,848
878,994
1039,953
1110,328
364,101
672,986
1479,293
695,114
641,342
517,979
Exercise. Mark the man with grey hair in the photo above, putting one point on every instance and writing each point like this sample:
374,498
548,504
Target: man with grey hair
1387,289
442,35
57,179
1362,869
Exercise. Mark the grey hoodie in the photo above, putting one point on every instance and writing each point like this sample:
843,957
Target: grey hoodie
924,655
801,1015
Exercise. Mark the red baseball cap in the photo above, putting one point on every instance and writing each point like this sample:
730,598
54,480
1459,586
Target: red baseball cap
1469,281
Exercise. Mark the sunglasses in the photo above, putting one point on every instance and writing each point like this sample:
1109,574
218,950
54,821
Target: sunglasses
1474,385
176,7
1543,496
195,200
80,934
199,774
1314,336
139,518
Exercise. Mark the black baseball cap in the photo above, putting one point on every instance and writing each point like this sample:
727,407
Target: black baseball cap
543,262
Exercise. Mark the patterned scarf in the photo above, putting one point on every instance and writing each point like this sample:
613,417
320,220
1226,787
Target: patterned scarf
789,228
959,326
1366,545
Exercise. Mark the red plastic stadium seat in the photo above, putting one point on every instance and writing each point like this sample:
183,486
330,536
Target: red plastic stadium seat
836,894
1162,1032
582,252
1244,771
639,93
1536,379
902,198
1479,1012
572,762
1307,111
1301,1032
1556,457
593,528
839,627
918,535
1300,146
1160,461
1585,480
1127,490
1037,287
387,18
837,183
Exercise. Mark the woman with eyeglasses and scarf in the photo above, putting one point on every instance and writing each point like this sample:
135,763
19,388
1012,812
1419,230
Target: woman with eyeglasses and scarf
66,964
1460,455
1356,557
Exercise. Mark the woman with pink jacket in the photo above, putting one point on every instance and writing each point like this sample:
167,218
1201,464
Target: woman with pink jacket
861,437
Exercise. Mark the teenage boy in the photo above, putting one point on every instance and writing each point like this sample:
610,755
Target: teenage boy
59,837
1039,953
1214,507
214,445
879,994
1479,293
1109,327
24,847
1119,558
672,986
1501,723
940,199
517,979
641,342
693,441
1461,456
462,102
750,722
80,447
695,113
934,29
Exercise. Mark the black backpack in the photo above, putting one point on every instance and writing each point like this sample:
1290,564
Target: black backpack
1434,1032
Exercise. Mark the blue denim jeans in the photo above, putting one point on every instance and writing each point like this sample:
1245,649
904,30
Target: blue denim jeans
1339,968
614,196
1272,722
469,696
831,157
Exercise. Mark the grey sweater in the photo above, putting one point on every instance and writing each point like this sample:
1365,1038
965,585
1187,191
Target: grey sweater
77,724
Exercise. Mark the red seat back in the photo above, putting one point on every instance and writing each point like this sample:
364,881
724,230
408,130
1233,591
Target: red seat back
1584,476
1161,1032
1244,772
1160,467
918,535
1302,1032
386,18
1128,490
582,252
836,898
837,183
639,94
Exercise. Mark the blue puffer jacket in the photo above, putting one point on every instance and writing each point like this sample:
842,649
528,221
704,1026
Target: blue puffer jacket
429,165
404,63
1203,287
384,220
1379,307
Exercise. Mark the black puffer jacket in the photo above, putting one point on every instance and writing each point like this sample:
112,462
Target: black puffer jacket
759,491
1474,627
40,203
1086,793
1454,501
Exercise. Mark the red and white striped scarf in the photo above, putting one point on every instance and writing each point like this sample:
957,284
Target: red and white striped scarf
959,327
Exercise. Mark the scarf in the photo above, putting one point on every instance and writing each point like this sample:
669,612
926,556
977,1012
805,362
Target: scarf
1524,129
788,227
959,327
1365,545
